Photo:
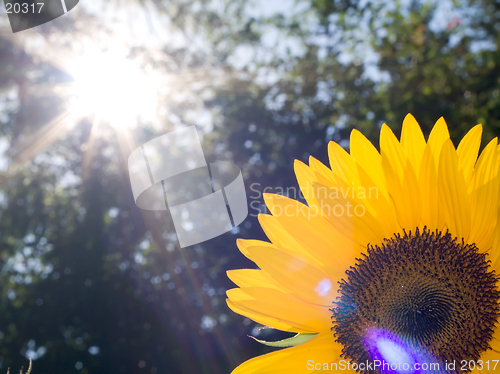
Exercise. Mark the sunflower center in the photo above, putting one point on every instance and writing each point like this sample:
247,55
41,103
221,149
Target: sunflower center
433,294
416,305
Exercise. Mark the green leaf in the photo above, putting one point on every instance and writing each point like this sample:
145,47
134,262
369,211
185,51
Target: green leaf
289,342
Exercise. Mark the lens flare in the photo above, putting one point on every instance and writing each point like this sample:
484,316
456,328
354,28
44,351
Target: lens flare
391,354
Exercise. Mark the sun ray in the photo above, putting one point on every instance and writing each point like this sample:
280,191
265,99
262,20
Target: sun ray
35,143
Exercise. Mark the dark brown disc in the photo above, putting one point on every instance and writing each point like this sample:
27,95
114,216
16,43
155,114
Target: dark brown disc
435,293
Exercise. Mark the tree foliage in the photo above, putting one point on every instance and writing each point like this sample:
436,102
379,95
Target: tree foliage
89,281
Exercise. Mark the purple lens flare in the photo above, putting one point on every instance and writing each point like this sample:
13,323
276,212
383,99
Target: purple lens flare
391,354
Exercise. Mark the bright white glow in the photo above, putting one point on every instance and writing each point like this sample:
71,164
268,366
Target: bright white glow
393,352
114,89
324,286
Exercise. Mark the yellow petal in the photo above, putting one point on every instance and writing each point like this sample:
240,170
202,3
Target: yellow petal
313,232
342,164
263,319
392,150
402,182
375,196
280,237
244,243
378,202
495,341
368,158
413,141
495,250
349,215
311,283
328,175
484,197
286,308
253,278
304,358
453,193
432,213
362,174
439,134
468,150
432,216
347,201
305,175
498,156
411,192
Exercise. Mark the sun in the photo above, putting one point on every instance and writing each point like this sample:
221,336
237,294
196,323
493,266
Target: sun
113,89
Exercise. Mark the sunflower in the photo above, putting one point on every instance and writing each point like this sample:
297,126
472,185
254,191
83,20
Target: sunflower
393,259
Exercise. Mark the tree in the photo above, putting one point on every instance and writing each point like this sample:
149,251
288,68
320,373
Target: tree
91,282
